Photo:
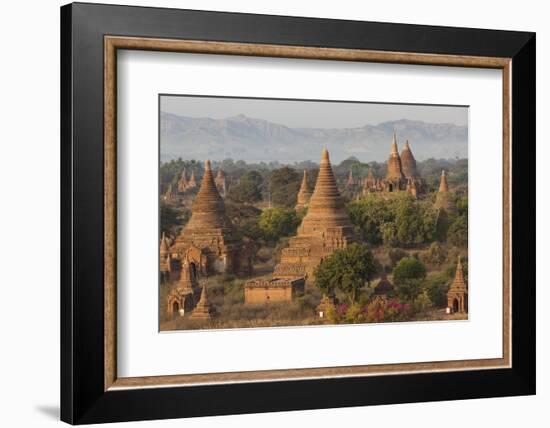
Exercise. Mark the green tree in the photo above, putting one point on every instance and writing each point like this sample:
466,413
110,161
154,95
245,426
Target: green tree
276,223
408,276
369,215
248,189
457,234
348,270
413,221
284,184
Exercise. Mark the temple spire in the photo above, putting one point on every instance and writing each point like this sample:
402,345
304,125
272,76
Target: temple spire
350,179
394,149
304,194
204,309
408,162
326,208
395,171
208,207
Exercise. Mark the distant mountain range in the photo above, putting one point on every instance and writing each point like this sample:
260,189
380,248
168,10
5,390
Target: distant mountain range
254,140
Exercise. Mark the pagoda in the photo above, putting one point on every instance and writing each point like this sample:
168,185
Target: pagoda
384,287
304,194
457,296
371,183
444,199
408,162
351,181
395,179
220,182
208,242
204,310
325,228
182,182
192,184
169,194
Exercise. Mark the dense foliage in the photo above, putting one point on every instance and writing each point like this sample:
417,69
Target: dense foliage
398,220
284,184
276,223
247,189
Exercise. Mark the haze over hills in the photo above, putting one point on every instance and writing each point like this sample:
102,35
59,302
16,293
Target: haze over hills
254,140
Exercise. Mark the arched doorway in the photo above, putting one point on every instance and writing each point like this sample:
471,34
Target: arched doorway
175,308
455,305
390,187
193,270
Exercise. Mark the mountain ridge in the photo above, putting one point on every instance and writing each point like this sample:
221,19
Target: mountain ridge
251,139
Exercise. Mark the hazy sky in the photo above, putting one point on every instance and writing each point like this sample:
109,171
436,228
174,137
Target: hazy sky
300,114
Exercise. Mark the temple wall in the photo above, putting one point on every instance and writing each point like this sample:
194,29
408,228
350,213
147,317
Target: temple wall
268,294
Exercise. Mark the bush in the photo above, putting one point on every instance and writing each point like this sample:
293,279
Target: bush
437,287
395,255
408,276
435,255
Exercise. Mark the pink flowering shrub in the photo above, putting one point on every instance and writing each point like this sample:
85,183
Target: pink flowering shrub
377,310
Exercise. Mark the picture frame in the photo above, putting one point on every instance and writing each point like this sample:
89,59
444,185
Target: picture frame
91,391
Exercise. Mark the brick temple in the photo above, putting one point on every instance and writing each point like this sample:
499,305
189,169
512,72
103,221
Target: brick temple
457,296
208,242
325,228
401,174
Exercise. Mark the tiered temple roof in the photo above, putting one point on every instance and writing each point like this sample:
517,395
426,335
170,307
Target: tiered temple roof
459,284
384,286
325,228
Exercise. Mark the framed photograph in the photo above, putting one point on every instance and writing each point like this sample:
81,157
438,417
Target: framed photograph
265,213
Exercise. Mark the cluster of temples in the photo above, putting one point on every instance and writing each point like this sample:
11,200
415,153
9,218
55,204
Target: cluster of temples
401,175
186,184
206,245
209,245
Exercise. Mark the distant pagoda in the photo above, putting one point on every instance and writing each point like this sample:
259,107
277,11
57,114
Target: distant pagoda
408,162
192,184
221,183
325,228
182,182
351,182
457,296
395,178
169,194
444,198
304,194
208,242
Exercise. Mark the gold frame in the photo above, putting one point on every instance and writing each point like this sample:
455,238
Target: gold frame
113,43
